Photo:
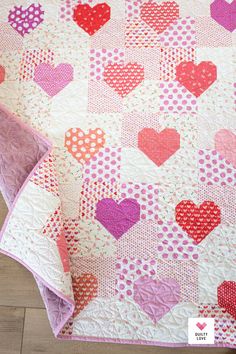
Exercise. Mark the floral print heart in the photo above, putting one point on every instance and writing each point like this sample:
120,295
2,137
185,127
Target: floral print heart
84,146
26,20
85,288
156,297
196,78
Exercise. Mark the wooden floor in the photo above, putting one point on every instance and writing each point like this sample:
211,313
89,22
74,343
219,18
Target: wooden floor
24,327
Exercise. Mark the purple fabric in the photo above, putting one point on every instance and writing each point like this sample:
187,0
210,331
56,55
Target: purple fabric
118,218
58,309
224,13
20,150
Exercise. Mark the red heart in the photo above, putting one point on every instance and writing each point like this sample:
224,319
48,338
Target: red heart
197,221
91,19
196,78
85,289
160,16
226,293
158,146
123,78
2,74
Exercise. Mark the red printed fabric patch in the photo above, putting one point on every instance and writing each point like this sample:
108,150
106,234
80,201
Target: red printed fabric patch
160,16
227,297
91,19
196,78
85,289
197,221
124,78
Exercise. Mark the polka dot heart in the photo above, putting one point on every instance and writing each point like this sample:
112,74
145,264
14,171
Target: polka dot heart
26,20
215,170
102,57
84,146
176,99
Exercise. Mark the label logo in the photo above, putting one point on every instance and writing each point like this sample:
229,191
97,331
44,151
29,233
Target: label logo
201,331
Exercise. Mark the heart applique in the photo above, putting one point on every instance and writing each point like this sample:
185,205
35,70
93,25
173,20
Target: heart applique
2,74
226,294
26,20
118,218
224,13
91,19
158,147
156,297
84,146
123,78
201,326
159,16
53,80
197,221
225,144
196,78
85,288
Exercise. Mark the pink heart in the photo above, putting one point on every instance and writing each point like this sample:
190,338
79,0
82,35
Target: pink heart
118,218
156,297
158,146
26,20
225,144
201,326
53,80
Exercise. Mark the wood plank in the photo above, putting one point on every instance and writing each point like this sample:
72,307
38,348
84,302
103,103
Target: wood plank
38,337
3,210
11,329
18,287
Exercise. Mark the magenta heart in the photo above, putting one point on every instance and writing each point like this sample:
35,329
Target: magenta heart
25,20
53,80
118,218
224,14
156,297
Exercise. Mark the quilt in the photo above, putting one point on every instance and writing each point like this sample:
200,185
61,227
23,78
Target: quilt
118,164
